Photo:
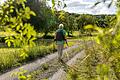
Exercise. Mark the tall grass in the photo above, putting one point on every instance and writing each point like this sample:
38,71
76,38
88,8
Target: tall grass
10,57
94,66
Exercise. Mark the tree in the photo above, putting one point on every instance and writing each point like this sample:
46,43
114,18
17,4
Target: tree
105,21
84,20
68,20
17,23
44,19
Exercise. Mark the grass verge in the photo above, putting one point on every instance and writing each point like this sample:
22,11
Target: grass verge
14,57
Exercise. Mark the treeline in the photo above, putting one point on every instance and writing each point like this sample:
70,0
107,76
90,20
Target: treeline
46,22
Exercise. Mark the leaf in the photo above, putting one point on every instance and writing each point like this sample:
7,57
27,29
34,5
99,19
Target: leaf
11,10
28,35
32,39
24,55
27,16
98,69
32,13
25,32
65,6
59,3
97,40
53,5
18,27
6,38
13,19
27,9
11,7
110,4
89,27
99,30
22,77
95,4
6,41
31,43
114,42
110,30
9,44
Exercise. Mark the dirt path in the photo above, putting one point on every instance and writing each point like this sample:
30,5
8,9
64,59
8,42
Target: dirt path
53,65
32,66
61,74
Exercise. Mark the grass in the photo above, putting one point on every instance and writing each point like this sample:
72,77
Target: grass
8,58
13,57
92,67
54,64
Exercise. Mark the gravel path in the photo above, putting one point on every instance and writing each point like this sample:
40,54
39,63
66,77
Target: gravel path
32,66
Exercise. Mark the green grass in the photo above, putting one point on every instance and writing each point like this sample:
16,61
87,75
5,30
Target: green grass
13,57
47,66
89,68
8,57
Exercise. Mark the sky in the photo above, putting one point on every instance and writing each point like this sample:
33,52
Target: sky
84,6
1,1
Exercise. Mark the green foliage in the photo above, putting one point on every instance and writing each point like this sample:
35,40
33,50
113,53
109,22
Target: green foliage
93,67
23,55
53,5
72,75
40,51
22,75
103,70
105,21
88,27
60,3
110,50
45,20
84,20
13,19
68,20
15,57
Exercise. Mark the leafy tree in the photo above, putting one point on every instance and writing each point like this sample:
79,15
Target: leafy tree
44,21
105,21
68,20
84,20
17,23
71,24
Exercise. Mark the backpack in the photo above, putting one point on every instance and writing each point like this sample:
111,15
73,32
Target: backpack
59,36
